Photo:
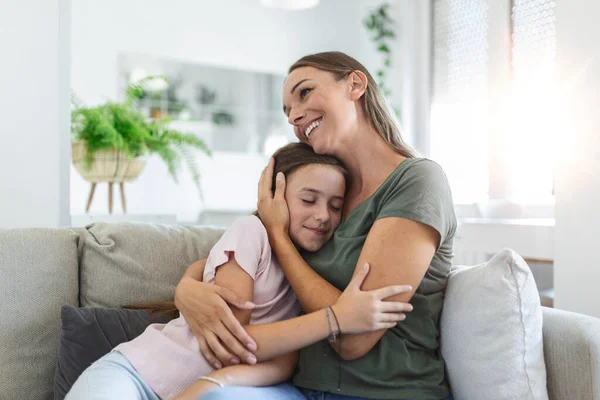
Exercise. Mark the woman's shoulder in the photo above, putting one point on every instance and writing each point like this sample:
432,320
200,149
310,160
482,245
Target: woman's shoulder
418,175
418,189
422,167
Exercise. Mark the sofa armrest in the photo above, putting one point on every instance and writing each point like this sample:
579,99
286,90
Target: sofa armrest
572,355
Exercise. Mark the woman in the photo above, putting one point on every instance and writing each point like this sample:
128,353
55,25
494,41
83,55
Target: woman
398,216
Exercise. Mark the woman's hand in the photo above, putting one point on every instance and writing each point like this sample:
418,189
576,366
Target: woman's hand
204,307
272,209
366,311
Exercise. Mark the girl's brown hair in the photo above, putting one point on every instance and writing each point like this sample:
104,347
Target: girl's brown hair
378,113
288,159
293,156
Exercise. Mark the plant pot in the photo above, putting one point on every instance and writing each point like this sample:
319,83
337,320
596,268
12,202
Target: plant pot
108,166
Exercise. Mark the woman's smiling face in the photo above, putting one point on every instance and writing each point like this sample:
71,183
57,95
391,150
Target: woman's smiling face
315,196
320,108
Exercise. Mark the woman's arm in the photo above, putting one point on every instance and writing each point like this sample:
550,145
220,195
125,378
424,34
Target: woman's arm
221,336
399,242
195,271
399,250
353,310
204,307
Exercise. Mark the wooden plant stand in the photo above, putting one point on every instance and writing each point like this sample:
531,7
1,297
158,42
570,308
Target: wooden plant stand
110,197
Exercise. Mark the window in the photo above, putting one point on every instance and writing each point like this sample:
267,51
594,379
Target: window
531,134
459,109
493,98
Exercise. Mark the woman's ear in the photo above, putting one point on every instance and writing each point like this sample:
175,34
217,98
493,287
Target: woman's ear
358,84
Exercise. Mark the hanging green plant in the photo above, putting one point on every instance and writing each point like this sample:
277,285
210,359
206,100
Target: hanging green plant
381,27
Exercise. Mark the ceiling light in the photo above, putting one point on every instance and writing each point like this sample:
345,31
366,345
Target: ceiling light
290,4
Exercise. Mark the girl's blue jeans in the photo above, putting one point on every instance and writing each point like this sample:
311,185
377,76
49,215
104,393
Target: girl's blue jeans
284,391
113,377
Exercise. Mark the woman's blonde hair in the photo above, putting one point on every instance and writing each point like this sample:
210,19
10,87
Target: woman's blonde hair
341,65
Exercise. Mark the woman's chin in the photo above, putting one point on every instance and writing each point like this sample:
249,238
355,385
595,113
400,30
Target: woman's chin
318,147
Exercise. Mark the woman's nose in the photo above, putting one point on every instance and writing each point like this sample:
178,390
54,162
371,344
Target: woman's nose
295,118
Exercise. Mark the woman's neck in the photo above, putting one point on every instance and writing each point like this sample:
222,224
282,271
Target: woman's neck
369,160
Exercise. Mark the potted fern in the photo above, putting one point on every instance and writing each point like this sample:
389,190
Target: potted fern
110,143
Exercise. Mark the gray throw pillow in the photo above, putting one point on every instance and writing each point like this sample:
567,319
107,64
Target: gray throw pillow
90,333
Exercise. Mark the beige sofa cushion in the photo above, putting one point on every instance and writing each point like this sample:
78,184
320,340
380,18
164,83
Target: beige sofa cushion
129,263
38,269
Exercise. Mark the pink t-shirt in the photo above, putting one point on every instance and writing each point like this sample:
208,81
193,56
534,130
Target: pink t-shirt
168,356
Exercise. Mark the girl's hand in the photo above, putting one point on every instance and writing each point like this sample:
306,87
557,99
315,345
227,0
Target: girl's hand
272,209
204,307
365,311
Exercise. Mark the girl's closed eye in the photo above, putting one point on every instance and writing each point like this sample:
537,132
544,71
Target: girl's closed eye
308,201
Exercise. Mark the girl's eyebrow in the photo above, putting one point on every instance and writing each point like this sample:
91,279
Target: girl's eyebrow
313,190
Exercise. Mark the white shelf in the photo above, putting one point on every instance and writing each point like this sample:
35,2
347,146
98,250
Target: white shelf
192,126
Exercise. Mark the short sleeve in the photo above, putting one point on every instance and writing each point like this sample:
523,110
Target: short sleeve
421,193
247,239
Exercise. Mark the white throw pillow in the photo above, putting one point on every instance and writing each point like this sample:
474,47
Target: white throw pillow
491,335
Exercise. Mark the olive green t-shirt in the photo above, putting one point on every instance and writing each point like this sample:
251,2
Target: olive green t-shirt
406,363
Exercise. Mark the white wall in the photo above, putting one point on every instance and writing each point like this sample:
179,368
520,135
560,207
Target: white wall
229,33
410,76
413,79
577,260
232,33
34,102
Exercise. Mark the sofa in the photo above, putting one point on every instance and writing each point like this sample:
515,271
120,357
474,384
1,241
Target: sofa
110,265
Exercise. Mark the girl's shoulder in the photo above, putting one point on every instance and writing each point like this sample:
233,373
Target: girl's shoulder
250,223
246,232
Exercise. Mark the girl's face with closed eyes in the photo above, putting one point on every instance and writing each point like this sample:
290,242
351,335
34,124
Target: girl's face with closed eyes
315,196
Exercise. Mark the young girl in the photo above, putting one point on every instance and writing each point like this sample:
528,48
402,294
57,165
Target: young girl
165,361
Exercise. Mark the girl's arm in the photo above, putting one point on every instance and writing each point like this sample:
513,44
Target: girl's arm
214,323
231,276
353,309
278,341
266,373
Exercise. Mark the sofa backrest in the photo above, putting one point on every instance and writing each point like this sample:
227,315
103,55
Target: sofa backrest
129,263
38,275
